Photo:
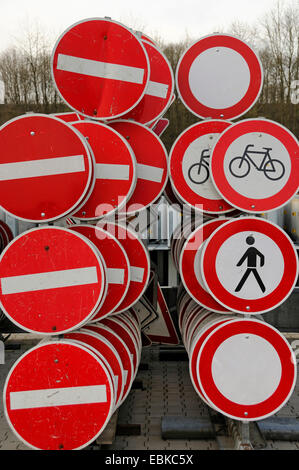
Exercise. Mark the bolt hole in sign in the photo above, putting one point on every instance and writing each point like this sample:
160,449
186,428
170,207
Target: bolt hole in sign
249,265
246,369
52,280
189,167
48,159
115,170
100,68
219,77
255,165
58,396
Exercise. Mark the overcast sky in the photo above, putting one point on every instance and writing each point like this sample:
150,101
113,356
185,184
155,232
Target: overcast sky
168,19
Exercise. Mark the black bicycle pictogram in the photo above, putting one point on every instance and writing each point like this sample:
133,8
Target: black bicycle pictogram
272,168
198,173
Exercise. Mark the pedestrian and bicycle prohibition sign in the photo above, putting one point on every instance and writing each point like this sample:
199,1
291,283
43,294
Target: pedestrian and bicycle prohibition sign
100,68
58,395
189,166
255,165
219,77
249,265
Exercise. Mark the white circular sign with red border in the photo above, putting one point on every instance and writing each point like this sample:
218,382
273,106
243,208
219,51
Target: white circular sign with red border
51,280
159,91
70,390
255,165
219,77
46,168
249,265
190,267
246,369
115,170
189,167
100,68
151,164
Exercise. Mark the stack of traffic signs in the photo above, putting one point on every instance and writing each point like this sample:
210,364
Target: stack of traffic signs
79,380
233,264
75,277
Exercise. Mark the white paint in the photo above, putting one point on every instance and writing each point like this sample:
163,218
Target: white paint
229,274
95,68
49,280
159,90
115,275
219,77
58,397
246,369
136,273
149,173
43,167
109,171
256,185
192,156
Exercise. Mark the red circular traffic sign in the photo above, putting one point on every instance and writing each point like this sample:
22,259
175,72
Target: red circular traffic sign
100,68
65,404
255,165
139,262
107,354
151,164
117,267
219,77
48,159
237,356
249,265
159,91
189,167
115,170
122,350
190,268
52,280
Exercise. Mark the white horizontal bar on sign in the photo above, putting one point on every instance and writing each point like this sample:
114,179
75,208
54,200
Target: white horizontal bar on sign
58,397
49,280
95,68
115,276
156,89
136,273
42,167
107,171
149,173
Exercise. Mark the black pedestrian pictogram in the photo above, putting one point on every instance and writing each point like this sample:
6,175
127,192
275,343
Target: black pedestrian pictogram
251,255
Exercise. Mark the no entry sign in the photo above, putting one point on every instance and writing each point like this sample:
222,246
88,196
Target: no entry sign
52,280
219,77
47,159
58,395
159,91
115,170
249,265
246,369
189,166
255,165
139,262
151,164
117,267
100,68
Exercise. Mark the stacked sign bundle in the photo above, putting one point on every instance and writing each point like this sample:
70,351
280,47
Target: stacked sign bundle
234,264
76,276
